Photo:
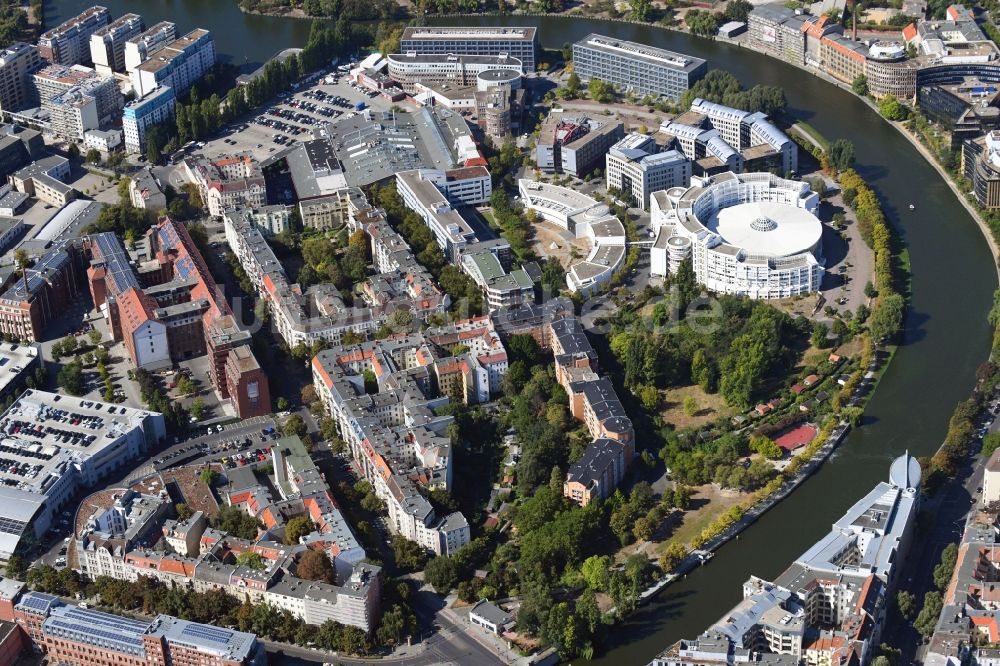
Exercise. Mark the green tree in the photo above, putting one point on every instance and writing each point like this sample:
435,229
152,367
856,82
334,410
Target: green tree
408,554
841,154
929,613
95,337
250,559
860,85
906,602
990,443
595,570
946,566
295,425
441,573
672,556
197,408
690,405
701,22
208,476
738,10
70,378
93,156
298,527
892,109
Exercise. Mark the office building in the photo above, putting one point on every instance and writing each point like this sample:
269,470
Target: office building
76,635
69,43
638,165
102,140
17,63
587,219
643,69
513,42
138,49
44,180
107,45
228,182
71,444
981,166
751,234
17,363
717,138
178,64
170,309
830,605
575,145
141,114
420,192
409,69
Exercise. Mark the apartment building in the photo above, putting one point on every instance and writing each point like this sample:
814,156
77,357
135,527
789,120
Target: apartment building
643,69
575,145
145,192
593,401
17,63
112,544
141,114
28,305
228,182
178,64
139,48
501,287
102,140
69,43
319,313
107,45
269,220
77,99
331,211
514,42
637,166
395,437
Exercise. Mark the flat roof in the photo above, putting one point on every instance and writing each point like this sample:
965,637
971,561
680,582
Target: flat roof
487,34
644,52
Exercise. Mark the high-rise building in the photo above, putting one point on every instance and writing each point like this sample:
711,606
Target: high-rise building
514,42
575,145
69,43
107,45
17,62
141,114
643,69
77,99
178,64
139,48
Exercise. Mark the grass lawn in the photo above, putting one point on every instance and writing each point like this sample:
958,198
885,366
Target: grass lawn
710,407
693,522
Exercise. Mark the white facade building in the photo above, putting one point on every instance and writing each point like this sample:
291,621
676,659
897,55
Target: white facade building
102,140
636,167
753,234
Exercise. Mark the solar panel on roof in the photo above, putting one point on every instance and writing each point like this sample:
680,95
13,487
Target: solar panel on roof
207,632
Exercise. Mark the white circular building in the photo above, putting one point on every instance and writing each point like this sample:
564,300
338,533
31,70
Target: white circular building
751,234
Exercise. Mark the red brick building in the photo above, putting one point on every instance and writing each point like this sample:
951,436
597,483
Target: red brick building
169,308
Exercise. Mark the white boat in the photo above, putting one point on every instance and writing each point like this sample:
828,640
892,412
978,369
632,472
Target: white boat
912,207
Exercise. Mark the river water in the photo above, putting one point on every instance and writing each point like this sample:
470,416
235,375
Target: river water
946,333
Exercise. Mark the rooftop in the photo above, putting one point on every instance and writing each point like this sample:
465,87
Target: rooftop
644,52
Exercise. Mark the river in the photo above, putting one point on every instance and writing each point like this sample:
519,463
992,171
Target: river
946,335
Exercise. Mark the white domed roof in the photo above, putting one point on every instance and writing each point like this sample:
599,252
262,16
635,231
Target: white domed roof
905,472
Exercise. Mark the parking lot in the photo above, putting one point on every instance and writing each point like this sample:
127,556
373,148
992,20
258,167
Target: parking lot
291,118
224,444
